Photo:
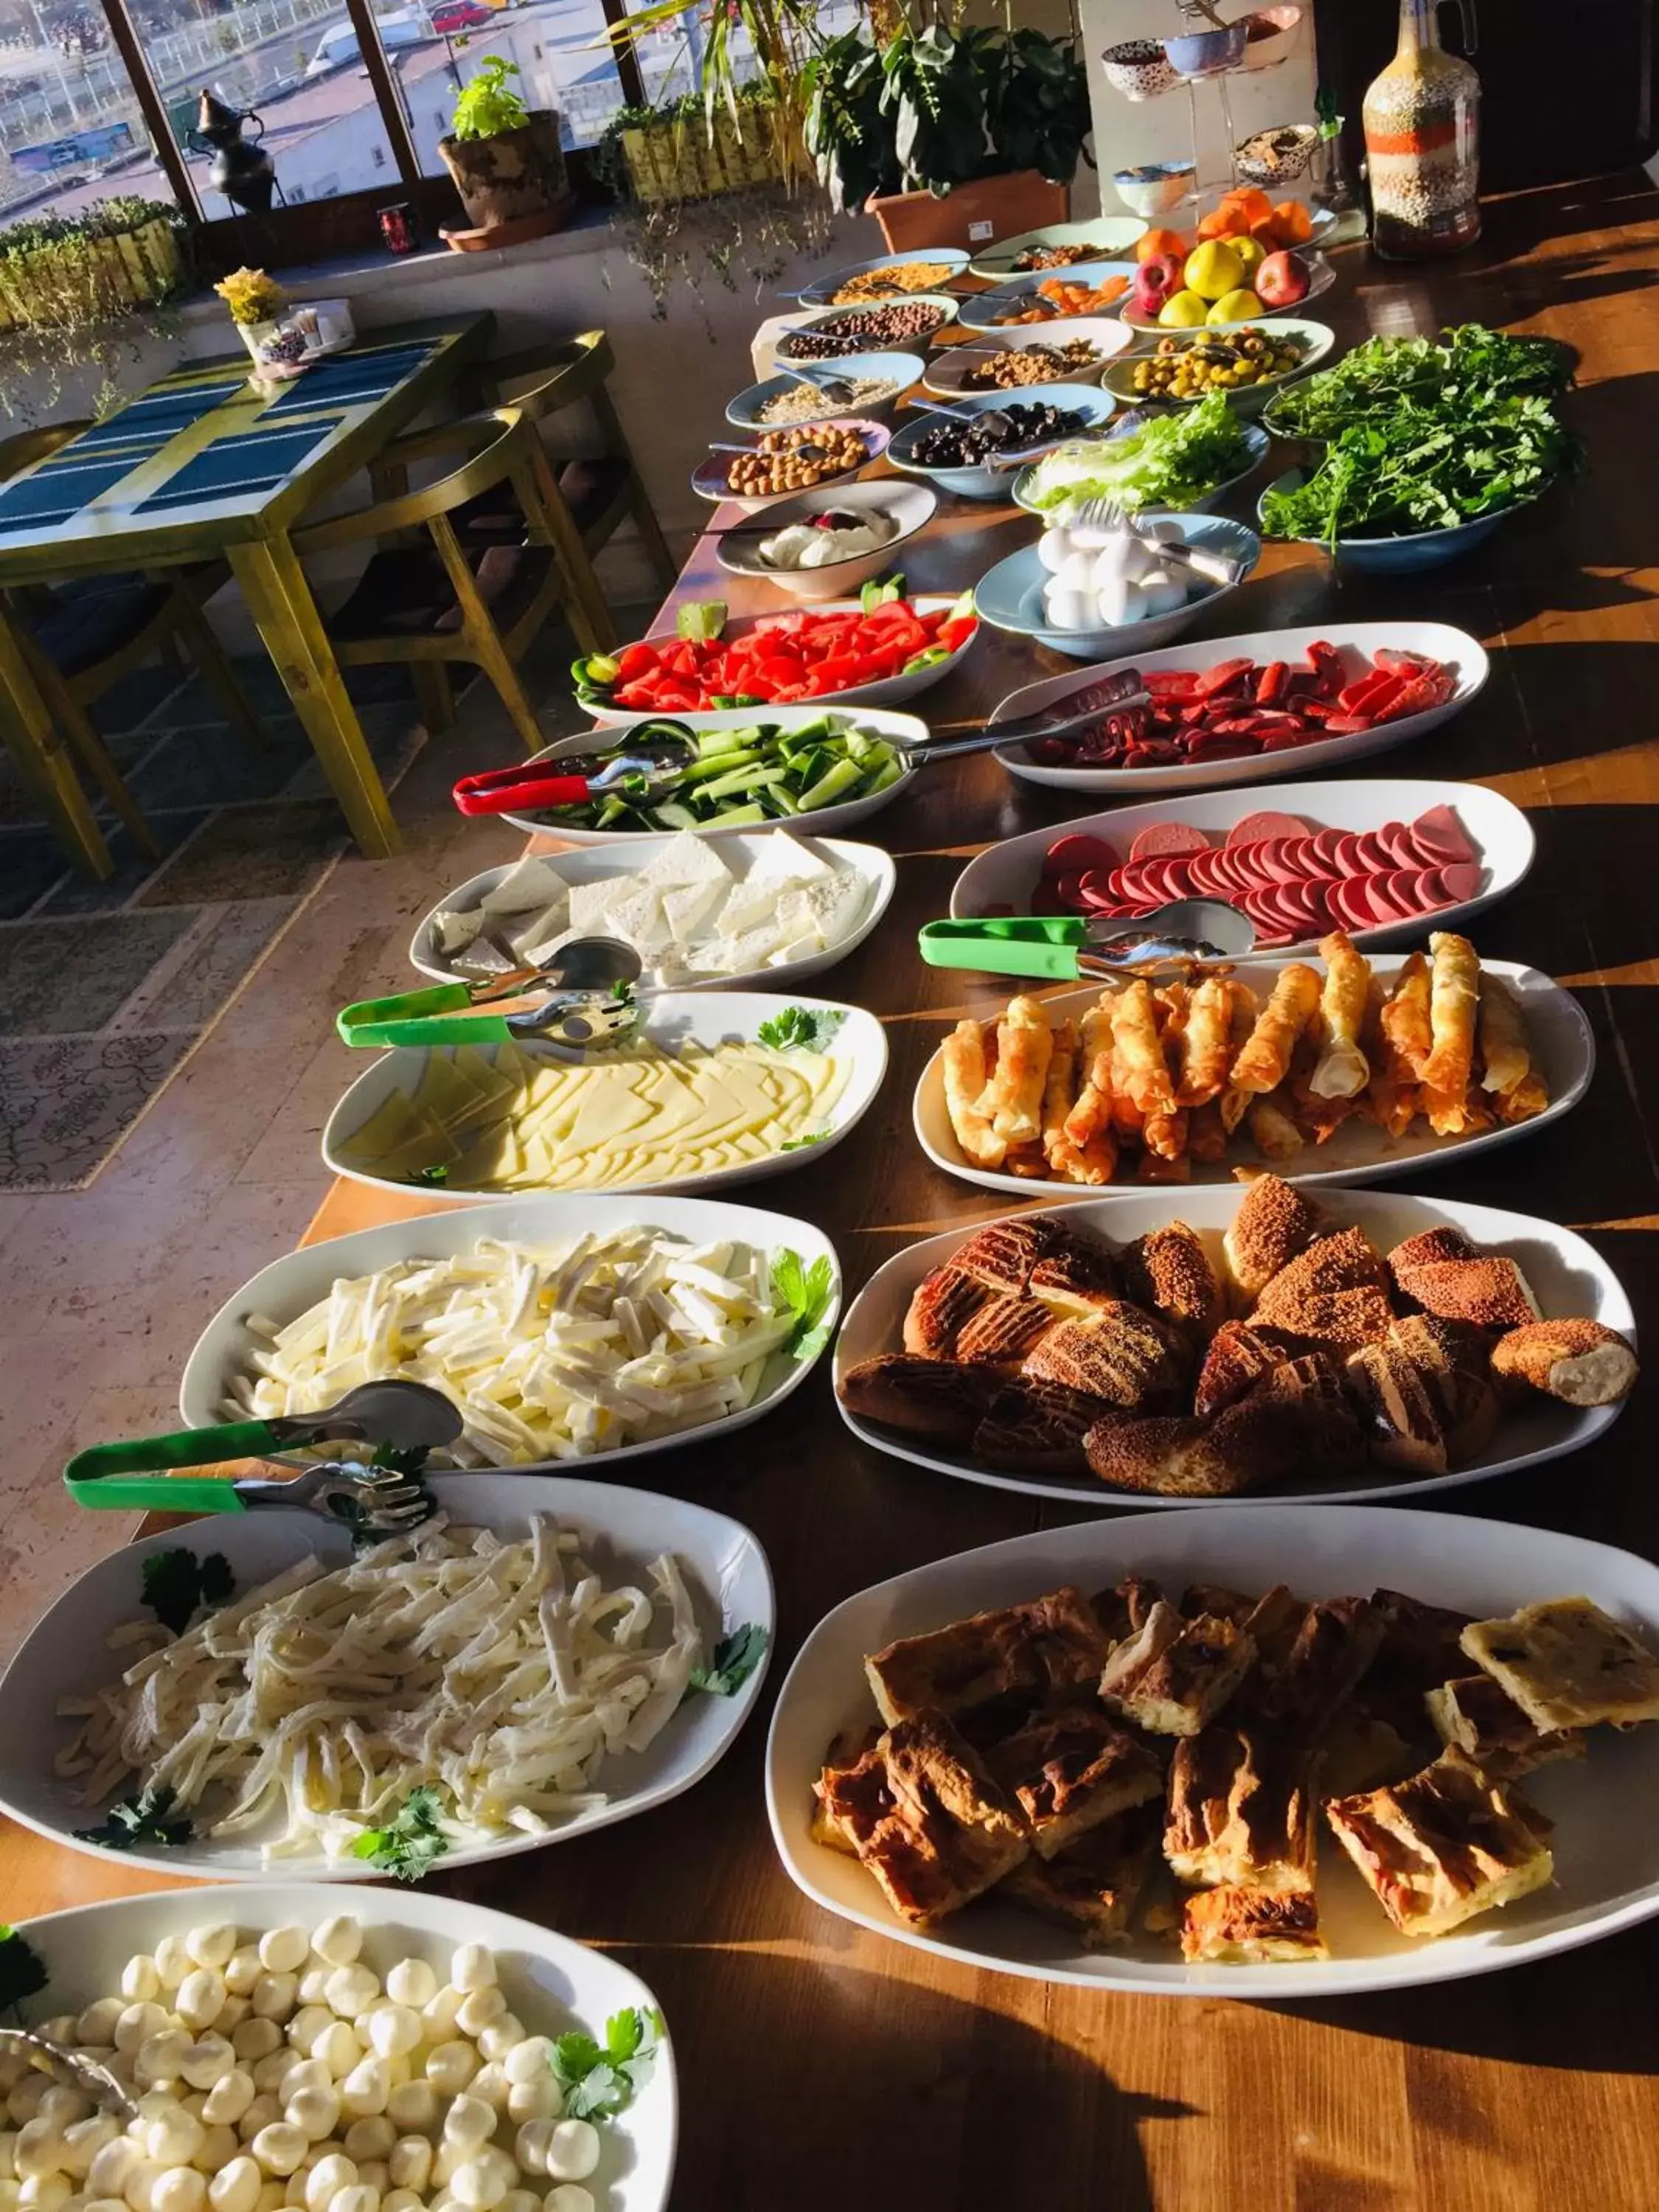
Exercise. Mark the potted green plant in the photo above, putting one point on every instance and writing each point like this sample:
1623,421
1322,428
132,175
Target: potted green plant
255,301
948,134
82,291
507,163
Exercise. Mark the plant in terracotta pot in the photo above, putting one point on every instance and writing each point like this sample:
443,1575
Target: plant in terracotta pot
507,161
949,133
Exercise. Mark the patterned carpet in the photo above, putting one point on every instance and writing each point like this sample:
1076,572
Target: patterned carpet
106,989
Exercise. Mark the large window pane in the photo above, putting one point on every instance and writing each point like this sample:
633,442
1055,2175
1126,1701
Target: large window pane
70,129
561,62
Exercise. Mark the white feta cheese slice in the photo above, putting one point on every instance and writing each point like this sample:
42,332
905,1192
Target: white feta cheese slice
687,907
589,904
751,949
748,906
784,855
686,859
452,932
532,883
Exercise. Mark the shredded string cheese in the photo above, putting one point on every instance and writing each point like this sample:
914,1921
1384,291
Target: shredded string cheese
502,1671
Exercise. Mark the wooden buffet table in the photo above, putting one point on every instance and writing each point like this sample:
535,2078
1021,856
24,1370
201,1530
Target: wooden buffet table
819,2065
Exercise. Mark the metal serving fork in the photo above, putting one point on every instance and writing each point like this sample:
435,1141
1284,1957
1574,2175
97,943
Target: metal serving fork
1107,513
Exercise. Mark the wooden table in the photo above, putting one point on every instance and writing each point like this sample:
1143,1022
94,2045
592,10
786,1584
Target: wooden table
820,2064
205,464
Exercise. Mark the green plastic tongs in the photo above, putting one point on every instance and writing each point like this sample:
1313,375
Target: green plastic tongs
1067,948
409,1416
590,999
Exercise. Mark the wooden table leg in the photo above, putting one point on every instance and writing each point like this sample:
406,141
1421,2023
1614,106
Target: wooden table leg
274,585
36,744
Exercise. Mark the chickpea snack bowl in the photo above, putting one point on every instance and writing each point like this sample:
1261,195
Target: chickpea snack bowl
442,2053
784,462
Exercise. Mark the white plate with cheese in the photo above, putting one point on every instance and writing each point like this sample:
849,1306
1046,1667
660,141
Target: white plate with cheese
695,1100
235,1348
703,913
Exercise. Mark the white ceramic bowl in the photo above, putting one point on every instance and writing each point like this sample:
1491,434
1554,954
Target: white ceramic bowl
1291,161
710,478
900,370
1009,596
1315,340
293,1285
1358,1152
823,822
63,1655
1155,187
553,1983
1006,874
740,851
821,293
1568,1275
667,1017
947,368
1606,1852
889,691
1109,237
986,311
769,360
910,504
978,480
1439,639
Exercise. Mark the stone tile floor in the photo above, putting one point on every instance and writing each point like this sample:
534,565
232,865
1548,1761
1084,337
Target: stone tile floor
103,1292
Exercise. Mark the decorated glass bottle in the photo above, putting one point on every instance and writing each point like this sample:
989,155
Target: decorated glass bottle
1422,142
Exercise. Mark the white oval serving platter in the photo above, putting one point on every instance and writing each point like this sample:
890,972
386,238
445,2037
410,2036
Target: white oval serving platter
740,851
1606,1852
63,1655
293,1285
1359,1151
1439,639
1567,1274
1007,873
668,1018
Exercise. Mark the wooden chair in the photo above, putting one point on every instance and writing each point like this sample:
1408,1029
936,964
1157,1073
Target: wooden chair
82,636
592,494
466,570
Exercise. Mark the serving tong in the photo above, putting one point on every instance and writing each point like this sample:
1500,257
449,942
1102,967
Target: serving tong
643,766
351,1492
70,2071
590,1000
1186,935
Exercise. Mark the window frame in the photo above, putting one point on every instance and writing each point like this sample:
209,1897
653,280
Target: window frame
323,230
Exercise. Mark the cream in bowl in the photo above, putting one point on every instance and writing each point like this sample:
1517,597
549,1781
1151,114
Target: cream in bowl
826,543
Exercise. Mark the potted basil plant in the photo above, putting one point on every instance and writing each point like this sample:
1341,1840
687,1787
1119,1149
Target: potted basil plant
948,137
507,161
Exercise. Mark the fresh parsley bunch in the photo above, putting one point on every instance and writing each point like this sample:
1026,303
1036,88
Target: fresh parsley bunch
599,2081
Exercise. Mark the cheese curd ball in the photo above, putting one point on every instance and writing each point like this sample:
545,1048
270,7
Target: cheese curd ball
276,2072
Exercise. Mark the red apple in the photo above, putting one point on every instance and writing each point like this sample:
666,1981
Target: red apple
1155,280
1281,280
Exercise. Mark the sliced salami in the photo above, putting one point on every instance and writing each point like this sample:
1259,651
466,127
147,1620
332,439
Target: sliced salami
1072,855
1462,880
1257,829
1373,856
1327,844
1441,837
1161,839
1347,856
1396,841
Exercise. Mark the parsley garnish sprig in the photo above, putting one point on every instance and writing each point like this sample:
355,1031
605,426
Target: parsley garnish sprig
22,1970
176,1581
599,2081
736,1657
143,1819
411,1841
799,1029
805,1292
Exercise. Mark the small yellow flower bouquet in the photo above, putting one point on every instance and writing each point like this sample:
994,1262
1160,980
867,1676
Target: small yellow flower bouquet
252,297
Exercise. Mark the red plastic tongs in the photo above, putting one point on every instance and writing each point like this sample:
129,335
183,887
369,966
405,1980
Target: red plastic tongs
530,786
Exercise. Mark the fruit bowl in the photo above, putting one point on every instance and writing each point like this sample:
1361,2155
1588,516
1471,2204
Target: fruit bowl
1321,278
